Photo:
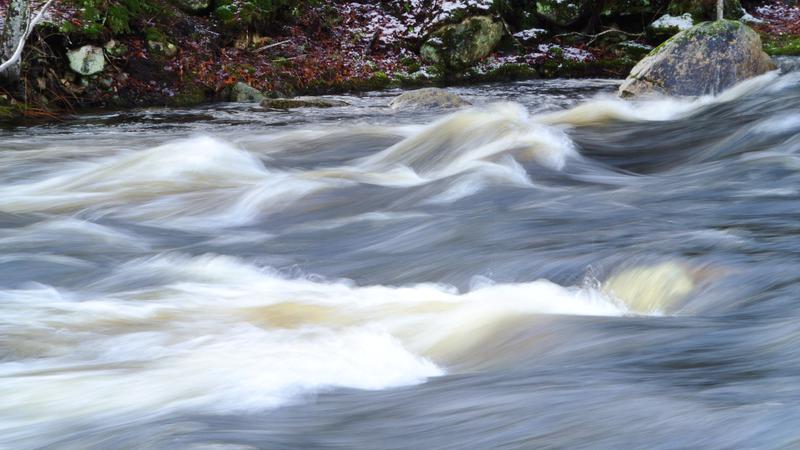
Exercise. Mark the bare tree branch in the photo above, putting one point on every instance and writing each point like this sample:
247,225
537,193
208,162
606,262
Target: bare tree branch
28,30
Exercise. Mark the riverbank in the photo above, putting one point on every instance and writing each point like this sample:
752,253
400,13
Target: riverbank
132,53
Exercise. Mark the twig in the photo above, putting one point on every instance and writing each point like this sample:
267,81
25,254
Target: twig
595,36
273,45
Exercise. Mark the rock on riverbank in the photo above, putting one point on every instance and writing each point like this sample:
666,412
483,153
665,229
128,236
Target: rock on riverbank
705,59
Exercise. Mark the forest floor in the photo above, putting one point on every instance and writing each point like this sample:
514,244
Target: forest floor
169,57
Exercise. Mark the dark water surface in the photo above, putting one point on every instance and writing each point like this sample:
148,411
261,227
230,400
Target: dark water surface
553,268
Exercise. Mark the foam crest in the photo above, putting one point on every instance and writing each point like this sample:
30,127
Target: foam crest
610,108
464,140
206,183
175,168
221,335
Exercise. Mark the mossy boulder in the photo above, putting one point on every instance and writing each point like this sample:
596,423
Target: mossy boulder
705,9
459,46
428,98
244,93
705,59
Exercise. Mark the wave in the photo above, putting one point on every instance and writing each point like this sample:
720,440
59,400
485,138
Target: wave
205,182
607,108
217,334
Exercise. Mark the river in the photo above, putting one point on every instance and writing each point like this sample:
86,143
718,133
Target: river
551,268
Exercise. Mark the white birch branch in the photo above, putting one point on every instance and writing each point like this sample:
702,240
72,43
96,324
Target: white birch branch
28,30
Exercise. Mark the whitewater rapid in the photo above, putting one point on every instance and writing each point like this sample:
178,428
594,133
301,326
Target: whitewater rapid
219,274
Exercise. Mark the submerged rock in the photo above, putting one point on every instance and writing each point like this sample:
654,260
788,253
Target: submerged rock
651,289
301,102
87,60
244,93
462,45
705,59
428,98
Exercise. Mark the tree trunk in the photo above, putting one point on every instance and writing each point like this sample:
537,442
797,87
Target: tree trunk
16,24
720,9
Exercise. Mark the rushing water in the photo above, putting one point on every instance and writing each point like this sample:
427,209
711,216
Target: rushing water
553,268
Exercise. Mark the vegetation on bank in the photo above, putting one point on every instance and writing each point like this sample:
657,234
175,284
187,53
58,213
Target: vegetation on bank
184,52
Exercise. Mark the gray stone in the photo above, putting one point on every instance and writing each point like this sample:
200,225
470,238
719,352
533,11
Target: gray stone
462,45
428,98
705,59
87,60
244,93
301,102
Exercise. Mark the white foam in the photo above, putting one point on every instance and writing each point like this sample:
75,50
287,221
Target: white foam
607,108
222,335
207,183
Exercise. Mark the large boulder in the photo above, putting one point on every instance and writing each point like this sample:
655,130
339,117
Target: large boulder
427,98
461,45
705,59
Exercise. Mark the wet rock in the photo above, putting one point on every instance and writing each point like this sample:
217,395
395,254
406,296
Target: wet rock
301,102
244,93
461,45
87,60
428,98
705,59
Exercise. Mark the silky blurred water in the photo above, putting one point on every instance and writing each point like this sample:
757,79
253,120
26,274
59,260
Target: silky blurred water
551,268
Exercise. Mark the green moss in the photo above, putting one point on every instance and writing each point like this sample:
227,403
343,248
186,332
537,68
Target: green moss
153,34
9,112
238,15
788,45
510,72
95,17
189,95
